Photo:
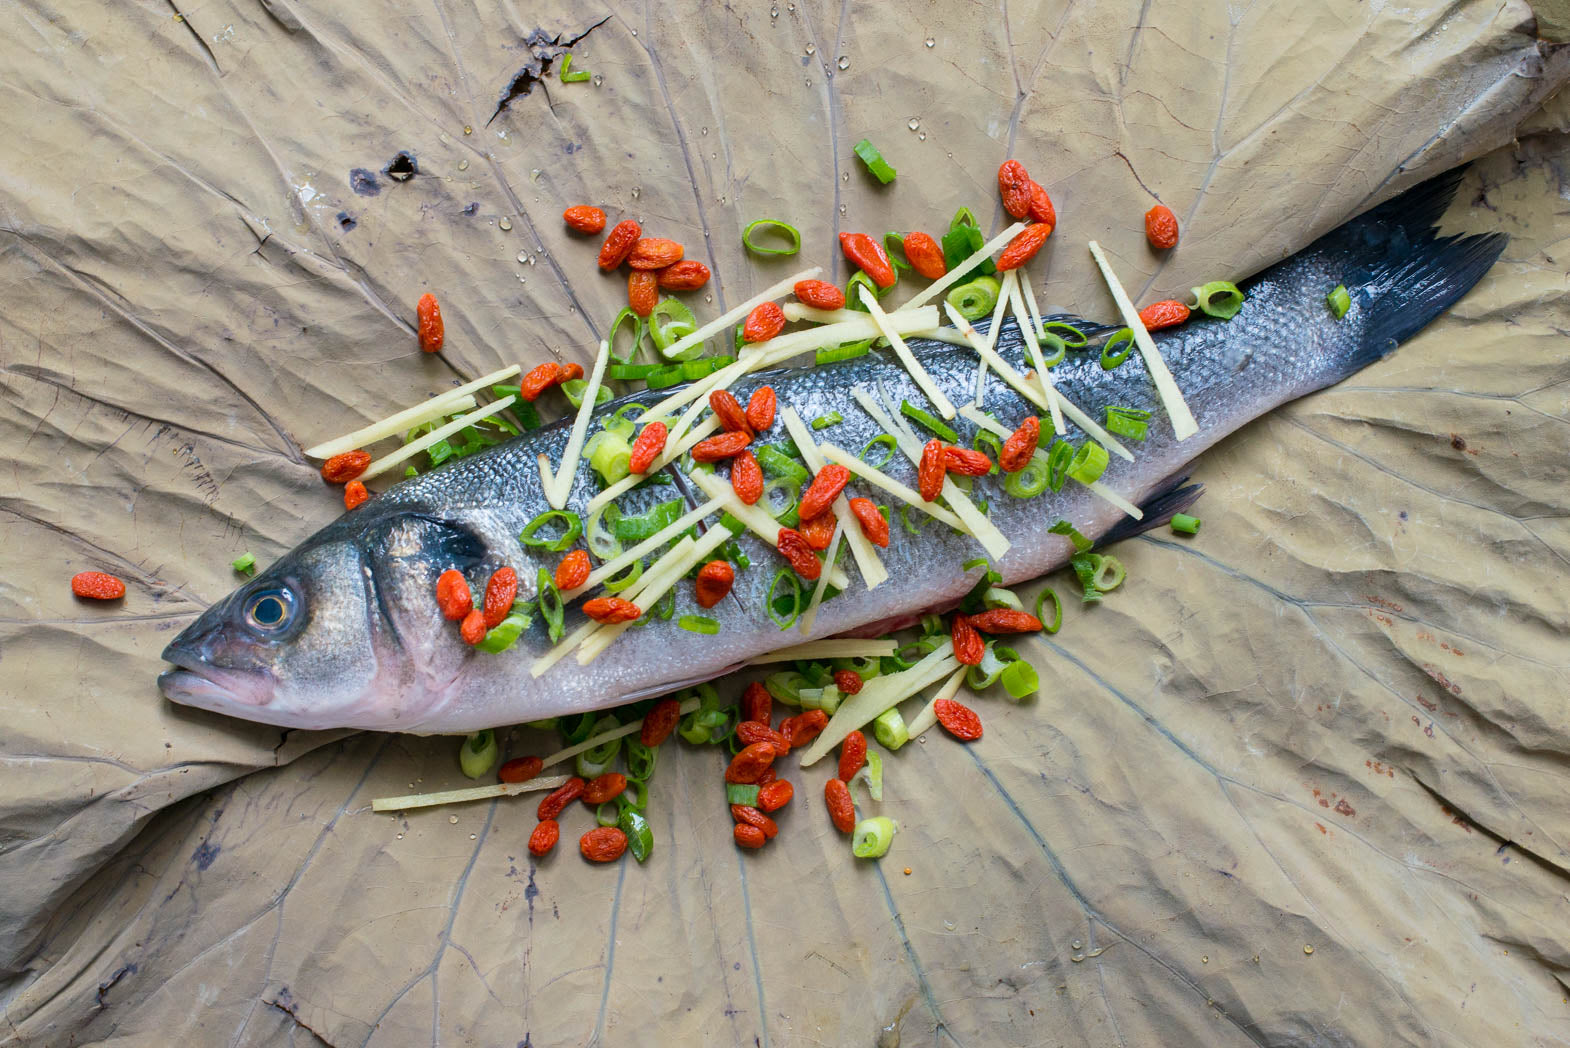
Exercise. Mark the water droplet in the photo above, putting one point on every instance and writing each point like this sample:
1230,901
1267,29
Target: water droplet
774,11
505,224
598,80
922,739
922,136
843,63
703,131
809,81
913,123
1308,949
531,260
534,174
634,32
842,209
931,42
812,49
468,130
473,837
791,8
949,925
845,176
1256,958
637,191
1077,944
708,298
400,836
453,819
1077,958
523,256
1205,959
463,165
714,156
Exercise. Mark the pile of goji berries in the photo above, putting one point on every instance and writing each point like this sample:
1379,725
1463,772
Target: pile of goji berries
656,262
754,765
456,601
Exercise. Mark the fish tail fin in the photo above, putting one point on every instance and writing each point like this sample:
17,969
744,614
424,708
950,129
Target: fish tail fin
1174,496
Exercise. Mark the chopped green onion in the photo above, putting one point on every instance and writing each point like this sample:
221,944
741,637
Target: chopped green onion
1184,523
1057,610
573,389
1058,460
625,417
927,421
617,583
663,610
784,605
1001,597
1110,574
1339,301
860,279
607,813
872,837
894,247
732,523
826,698
1030,481
741,793
1056,344
506,632
618,359
641,760
1063,527
780,495
669,322
1116,349
544,724
785,686
989,444
833,418
878,167
1085,565
631,372
245,563
665,377
1219,298
592,763
636,796
648,523
567,75
776,462
1020,678
576,729
699,624
603,544
1074,339
640,839
871,775
885,441
1132,423
905,519
845,351
477,756
1088,463
609,455
550,605
960,243
890,730
973,563
775,226
521,409
975,299
572,527
985,674
963,217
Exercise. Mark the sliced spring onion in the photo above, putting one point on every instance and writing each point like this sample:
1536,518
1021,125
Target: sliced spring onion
1072,336
245,563
847,351
1219,298
602,543
871,775
785,686
784,605
641,760
1084,565
606,814
962,242
833,418
1056,344
889,729
573,389
766,226
925,420
1030,481
550,605
617,583
872,837
631,372
640,838
626,316
699,624
506,632
985,674
1116,349
435,436
597,760
458,399
826,698
669,322
1058,460
1132,423
776,462
609,455
894,247
1110,574
1057,610
1088,463
1020,678
989,444
1339,301
884,441
876,165
1001,597
477,756
1184,523
1063,527
648,523
571,524
853,286
975,299
741,793
1183,424
686,371
568,75
779,498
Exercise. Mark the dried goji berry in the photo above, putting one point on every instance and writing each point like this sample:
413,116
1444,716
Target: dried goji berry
819,531
1041,209
749,836
819,294
1161,227
643,292
1024,246
453,595
958,719
872,523
853,754
340,469
555,802
760,408
574,570
842,810
650,442
354,494
757,704
747,815
930,473
747,765
584,218
1005,620
654,253
544,838
606,787
1020,446
97,585
765,321
539,379
849,682
571,371
686,275
520,769
1165,314
732,416
611,609
751,731
1014,186
659,722
500,592
823,490
925,255
968,645
472,628
428,313
720,447
603,844
868,254
746,477
967,462
623,236
714,582
767,777
775,795
804,727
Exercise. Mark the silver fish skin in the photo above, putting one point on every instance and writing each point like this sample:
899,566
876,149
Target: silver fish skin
344,631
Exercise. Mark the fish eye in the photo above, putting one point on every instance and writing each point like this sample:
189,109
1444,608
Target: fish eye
270,610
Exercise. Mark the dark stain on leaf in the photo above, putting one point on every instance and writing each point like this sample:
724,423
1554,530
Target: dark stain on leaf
205,855
402,167
364,182
544,50
346,221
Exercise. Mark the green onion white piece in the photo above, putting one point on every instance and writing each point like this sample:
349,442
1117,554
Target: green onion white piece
1183,424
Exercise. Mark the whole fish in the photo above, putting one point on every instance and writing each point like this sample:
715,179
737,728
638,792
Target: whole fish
345,631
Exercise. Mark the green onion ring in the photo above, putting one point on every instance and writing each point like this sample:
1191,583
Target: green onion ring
1339,301
876,165
640,759
1056,624
607,813
550,604
790,487
860,279
833,418
623,317
1019,678
478,753
1116,349
1056,344
1132,423
573,528
1058,460
669,322
963,217
1085,565
632,574
780,617
771,225
1110,574
1075,339
989,444
1030,481
640,838
894,247
573,389
887,443
975,299
1088,463
1186,524
872,837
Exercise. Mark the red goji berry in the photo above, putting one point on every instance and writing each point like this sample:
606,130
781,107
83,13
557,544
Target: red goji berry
819,531
428,313
555,802
760,408
749,836
720,447
763,323
340,469
849,682
868,254
472,628
603,844
620,242
714,582
453,595
842,810
871,521
747,765
520,769
1019,448
958,719
97,585
1161,227
544,838
968,645
819,294
822,492
747,815
853,754
746,477
751,731
1014,186
925,255
654,253
967,462
643,292
650,442
574,570
732,416
757,704
804,727
1024,246
930,473
1005,620
659,722
354,494
775,795
767,777
611,610
686,275
584,218
604,788
1041,209
500,592
571,371
1165,314
539,379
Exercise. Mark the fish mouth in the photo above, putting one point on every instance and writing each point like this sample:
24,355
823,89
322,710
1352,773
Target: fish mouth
200,684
